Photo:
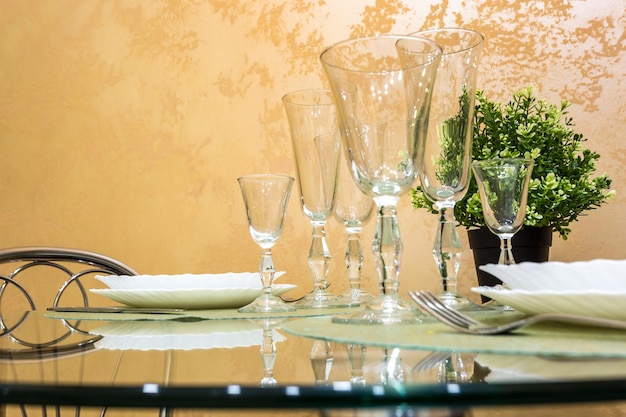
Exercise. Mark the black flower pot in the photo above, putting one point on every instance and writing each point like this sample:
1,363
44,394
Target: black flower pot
529,244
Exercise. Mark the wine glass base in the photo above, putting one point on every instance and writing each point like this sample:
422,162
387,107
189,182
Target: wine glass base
382,310
459,302
320,299
495,305
356,297
267,304
268,382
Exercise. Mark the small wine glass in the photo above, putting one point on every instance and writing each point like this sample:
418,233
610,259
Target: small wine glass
503,187
353,209
316,143
266,197
445,174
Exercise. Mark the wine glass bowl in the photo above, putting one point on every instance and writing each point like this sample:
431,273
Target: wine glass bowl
382,87
503,187
266,197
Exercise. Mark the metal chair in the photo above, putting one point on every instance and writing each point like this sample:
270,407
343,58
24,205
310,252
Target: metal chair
74,265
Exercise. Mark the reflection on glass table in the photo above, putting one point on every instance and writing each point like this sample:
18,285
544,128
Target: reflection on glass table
310,373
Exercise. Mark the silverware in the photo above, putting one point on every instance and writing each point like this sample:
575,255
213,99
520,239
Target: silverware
430,361
429,303
133,310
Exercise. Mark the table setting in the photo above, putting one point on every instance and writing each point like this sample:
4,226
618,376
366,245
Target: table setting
399,110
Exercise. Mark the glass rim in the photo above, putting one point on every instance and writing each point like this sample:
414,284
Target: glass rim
502,161
317,92
480,39
266,177
436,52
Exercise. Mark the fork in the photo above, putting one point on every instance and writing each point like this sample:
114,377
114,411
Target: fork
430,303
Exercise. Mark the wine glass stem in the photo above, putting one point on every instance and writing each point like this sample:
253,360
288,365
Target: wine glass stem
356,357
447,249
319,256
266,270
506,251
268,356
387,249
354,257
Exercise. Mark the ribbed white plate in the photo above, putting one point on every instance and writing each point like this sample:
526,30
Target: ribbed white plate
168,334
189,298
601,304
605,275
225,280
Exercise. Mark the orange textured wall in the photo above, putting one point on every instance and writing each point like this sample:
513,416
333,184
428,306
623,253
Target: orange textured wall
124,125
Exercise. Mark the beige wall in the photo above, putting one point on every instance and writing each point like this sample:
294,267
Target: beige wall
124,124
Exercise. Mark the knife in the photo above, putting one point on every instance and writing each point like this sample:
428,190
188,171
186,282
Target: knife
133,310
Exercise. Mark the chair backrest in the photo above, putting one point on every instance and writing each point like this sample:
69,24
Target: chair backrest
70,265
36,278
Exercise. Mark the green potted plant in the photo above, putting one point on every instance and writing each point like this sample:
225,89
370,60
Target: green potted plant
564,183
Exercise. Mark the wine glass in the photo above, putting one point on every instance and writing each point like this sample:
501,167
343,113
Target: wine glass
503,187
353,209
382,87
445,174
316,144
266,197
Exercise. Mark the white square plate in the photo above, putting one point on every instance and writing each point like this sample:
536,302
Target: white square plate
600,304
597,275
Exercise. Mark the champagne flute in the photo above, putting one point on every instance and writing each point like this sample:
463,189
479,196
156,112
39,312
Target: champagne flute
316,144
353,209
382,87
503,187
445,174
266,197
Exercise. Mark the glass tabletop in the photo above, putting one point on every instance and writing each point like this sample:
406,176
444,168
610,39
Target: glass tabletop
188,363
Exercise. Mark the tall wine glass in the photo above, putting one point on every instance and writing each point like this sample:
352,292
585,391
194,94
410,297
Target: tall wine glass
382,87
353,209
315,138
266,197
503,187
445,174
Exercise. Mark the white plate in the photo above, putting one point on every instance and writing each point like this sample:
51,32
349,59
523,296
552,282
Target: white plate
582,303
204,281
600,274
189,298
169,334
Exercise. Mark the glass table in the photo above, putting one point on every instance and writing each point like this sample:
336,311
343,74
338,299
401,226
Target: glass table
185,365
